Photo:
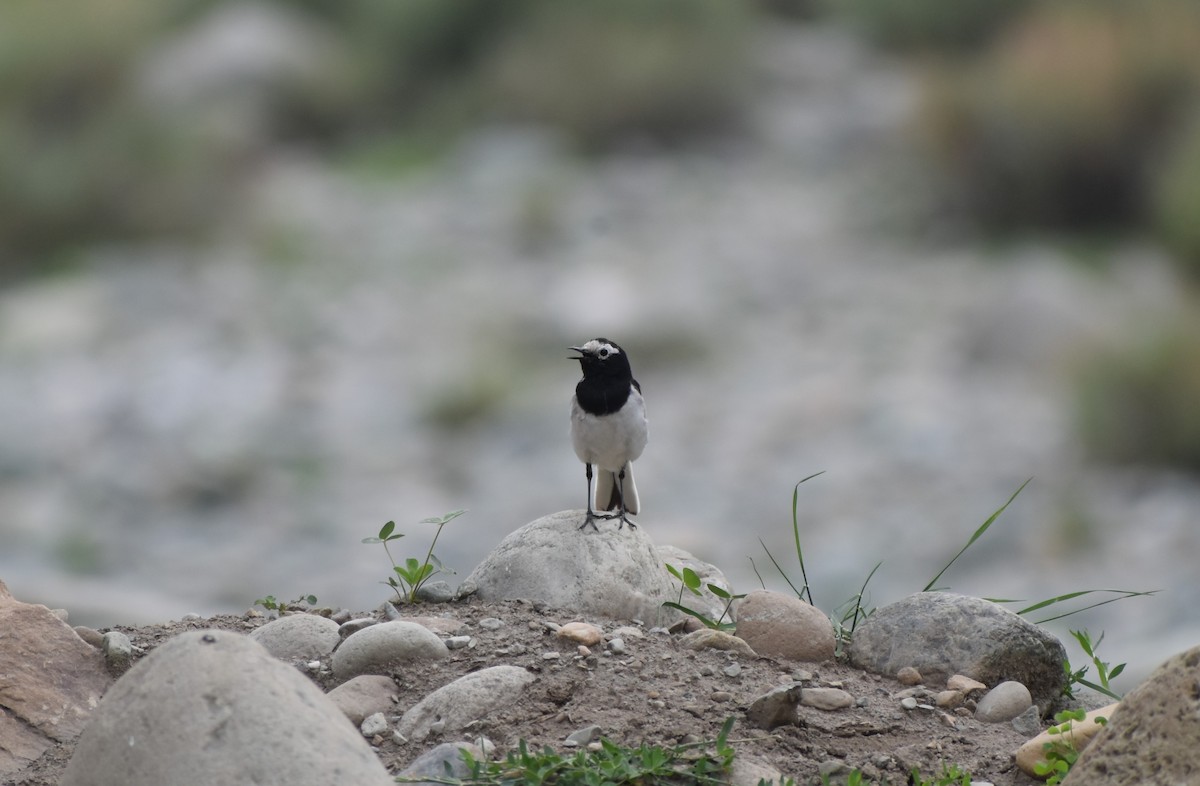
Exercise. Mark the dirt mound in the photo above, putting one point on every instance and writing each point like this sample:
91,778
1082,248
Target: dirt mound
658,692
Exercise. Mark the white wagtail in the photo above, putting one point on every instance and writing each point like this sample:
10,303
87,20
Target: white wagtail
608,429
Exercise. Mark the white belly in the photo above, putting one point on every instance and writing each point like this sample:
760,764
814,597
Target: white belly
612,441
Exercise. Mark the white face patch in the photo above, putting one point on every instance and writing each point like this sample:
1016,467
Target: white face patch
601,349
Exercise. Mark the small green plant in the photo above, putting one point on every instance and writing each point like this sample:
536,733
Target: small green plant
952,775
611,765
1061,752
689,580
279,607
846,617
412,574
1103,673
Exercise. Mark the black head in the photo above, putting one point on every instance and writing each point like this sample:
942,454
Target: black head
603,358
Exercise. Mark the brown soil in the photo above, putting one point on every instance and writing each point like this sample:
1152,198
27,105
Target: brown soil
659,692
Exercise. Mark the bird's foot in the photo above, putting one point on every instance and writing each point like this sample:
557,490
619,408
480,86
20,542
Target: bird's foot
590,518
625,520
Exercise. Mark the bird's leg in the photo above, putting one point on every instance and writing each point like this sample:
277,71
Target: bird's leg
591,515
621,497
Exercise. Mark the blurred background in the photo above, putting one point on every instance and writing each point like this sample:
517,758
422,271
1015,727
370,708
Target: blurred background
274,273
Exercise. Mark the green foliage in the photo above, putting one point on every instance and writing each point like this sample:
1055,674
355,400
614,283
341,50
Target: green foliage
1062,123
80,157
855,609
604,71
1136,403
271,604
408,578
951,775
931,25
689,580
1060,753
1176,198
611,765
1103,673
90,152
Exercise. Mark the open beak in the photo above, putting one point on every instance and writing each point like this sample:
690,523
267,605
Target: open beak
576,349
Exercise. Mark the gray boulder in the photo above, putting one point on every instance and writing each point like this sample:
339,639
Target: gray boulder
468,698
298,636
210,708
364,695
942,634
783,626
380,648
50,681
432,763
1151,736
613,573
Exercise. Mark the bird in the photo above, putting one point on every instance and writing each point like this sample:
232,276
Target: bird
608,430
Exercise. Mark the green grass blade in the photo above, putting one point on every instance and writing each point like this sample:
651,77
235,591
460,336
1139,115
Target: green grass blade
754,568
771,557
861,592
1121,595
978,534
708,621
796,536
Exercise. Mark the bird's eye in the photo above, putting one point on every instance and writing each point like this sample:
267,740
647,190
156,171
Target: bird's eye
603,352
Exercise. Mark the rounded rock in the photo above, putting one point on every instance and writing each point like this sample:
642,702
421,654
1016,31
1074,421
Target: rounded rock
942,634
210,708
782,626
468,698
582,632
364,695
380,648
1003,703
553,561
118,651
298,637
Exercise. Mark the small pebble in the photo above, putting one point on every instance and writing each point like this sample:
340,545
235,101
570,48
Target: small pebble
436,592
550,656
616,646
909,703
722,695
827,699
948,699
965,684
1029,722
733,670
373,725
582,632
90,635
908,676
118,651
584,736
354,626
457,642
1003,703
490,623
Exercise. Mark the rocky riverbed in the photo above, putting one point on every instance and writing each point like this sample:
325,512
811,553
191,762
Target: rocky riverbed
187,429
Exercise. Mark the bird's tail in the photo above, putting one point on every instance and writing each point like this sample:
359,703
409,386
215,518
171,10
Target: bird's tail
607,495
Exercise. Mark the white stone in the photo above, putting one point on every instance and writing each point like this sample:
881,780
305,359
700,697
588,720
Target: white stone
381,648
210,708
1003,703
468,698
